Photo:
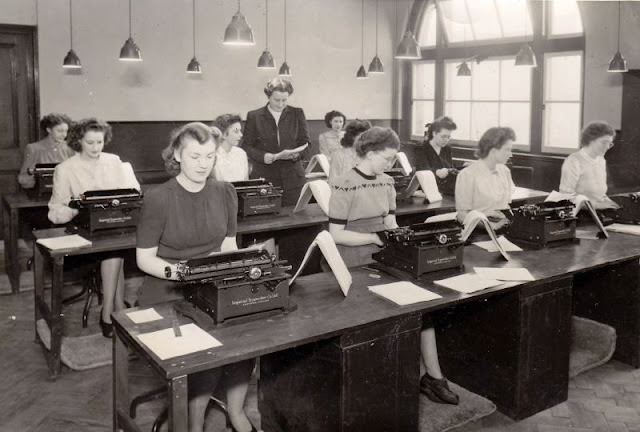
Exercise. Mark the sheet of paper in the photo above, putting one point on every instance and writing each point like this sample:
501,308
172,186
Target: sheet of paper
442,217
403,293
143,316
504,273
490,245
64,242
402,159
166,345
468,283
320,190
287,152
318,160
624,228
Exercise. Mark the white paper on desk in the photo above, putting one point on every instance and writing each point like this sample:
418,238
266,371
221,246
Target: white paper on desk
504,273
520,193
143,316
426,181
490,245
64,242
166,345
468,283
403,293
320,190
442,217
624,228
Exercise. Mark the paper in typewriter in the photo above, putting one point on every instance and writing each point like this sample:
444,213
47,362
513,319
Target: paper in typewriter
581,202
473,218
320,190
403,293
330,252
318,160
426,181
165,344
402,160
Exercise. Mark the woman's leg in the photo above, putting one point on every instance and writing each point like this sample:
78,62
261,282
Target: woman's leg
429,353
236,381
200,388
111,272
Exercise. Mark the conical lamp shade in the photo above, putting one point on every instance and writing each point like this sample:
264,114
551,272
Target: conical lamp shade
71,60
376,66
130,51
526,56
238,31
617,63
362,73
266,60
284,70
463,69
408,47
194,66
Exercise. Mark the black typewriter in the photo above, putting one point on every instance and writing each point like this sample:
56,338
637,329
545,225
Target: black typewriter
43,176
106,211
543,224
422,248
257,196
235,284
629,211
400,181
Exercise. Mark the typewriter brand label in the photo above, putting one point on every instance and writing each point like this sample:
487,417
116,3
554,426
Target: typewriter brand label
442,260
262,206
249,301
560,231
111,220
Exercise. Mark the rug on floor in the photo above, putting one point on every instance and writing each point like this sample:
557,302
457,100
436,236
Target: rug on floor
592,344
436,417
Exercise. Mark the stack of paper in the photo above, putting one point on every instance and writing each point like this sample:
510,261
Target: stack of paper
143,316
625,229
403,293
490,245
468,283
64,242
166,345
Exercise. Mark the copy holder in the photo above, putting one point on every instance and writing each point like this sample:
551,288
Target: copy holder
320,190
317,161
401,161
426,181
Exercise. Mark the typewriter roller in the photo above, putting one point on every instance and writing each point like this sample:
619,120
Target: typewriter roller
422,248
543,224
106,211
257,196
235,284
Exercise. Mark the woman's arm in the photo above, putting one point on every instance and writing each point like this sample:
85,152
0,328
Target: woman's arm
150,263
250,139
323,145
390,221
570,174
464,195
59,210
25,179
346,237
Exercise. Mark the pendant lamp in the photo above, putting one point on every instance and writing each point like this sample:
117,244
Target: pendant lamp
618,63
526,56
238,32
376,66
266,59
362,73
71,60
130,51
463,69
194,65
284,69
408,48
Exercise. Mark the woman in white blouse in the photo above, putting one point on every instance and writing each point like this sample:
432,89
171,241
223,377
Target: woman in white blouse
486,184
329,141
585,171
232,163
91,169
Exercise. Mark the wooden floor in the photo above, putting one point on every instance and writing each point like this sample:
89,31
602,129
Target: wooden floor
604,399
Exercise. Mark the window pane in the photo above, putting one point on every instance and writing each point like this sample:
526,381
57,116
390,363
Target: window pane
563,72
424,78
484,20
515,81
460,113
456,20
486,80
483,116
561,125
514,16
456,87
517,116
422,113
427,36
565,18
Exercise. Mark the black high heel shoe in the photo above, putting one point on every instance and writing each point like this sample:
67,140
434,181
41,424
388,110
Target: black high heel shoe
230,425
107,328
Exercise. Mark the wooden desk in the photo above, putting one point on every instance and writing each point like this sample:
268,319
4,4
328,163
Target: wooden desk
357,357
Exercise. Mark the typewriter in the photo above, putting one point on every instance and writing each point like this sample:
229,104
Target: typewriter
543,224
256,197
400,181
235,284
629,211
106,211
422,248
43,175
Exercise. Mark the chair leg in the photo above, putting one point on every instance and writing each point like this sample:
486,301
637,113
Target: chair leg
146,397
157,424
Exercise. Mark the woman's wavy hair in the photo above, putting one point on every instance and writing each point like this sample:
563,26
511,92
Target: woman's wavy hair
437,125
53,120
225,121
77,131
353,129
376,139
494,137
595,130
328,117
278,84
196,130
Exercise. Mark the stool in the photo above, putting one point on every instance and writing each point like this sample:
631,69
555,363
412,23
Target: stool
91,285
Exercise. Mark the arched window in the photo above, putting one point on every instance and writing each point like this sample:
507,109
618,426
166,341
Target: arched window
542,104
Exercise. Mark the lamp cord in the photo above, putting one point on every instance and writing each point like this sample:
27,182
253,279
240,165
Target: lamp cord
362,35
266,36
194,28
70,25
377,1
285,31
129,19
618,25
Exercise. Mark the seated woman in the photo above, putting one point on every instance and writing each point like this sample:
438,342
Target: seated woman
346,158
92,169
51,149
329,141
486,184
231,161
191,216
363,202
435,153
585,171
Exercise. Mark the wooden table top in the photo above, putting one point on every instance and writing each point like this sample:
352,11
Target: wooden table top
323,312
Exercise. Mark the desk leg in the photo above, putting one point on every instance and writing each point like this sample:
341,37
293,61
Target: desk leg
56,318
512,348
178,404
11,264
38,282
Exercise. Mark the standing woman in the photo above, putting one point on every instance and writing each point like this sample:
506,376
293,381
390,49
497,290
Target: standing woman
191,216
346,157
329,141
363,202
585,171
435,153
51,149
91,169
271,129
486,184
231,161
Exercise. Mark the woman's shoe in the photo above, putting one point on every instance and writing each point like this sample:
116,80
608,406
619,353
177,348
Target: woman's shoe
437,390
107,328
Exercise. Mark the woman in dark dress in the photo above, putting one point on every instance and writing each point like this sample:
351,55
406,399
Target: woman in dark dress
435,154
